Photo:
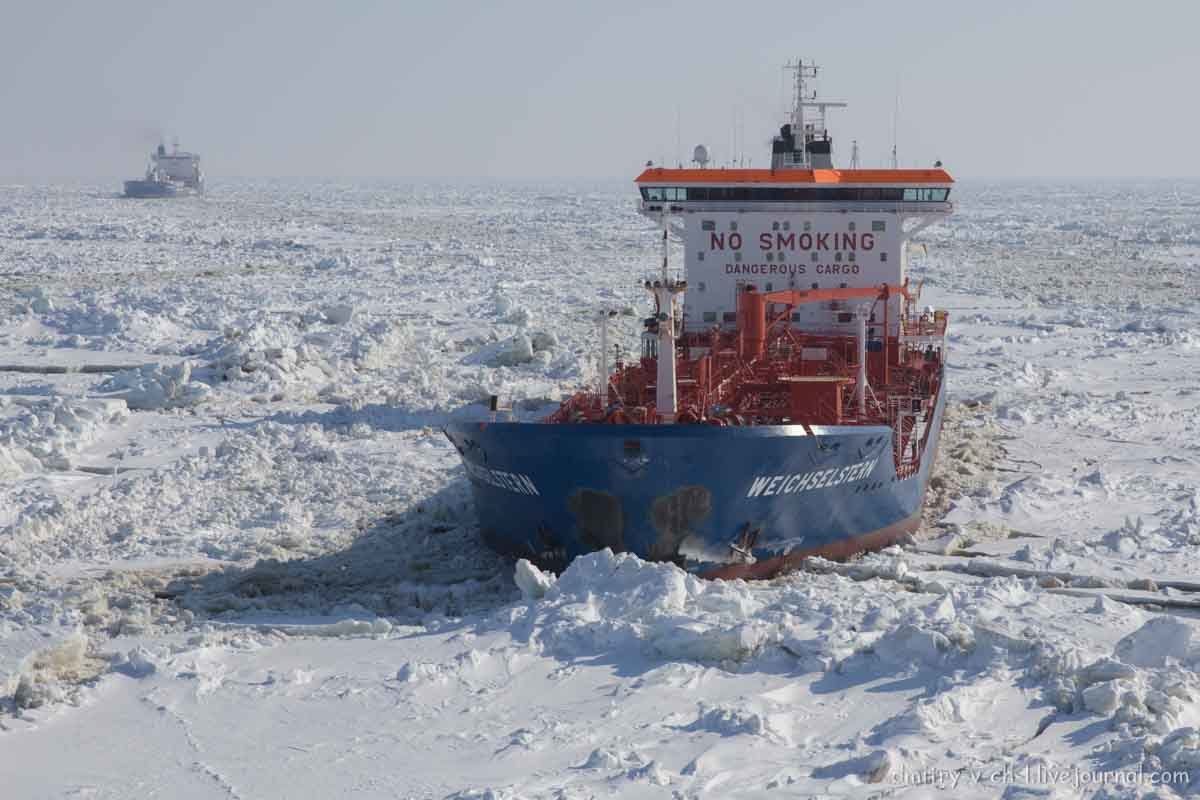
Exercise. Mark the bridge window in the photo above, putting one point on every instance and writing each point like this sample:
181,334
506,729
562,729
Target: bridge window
729,316
883,255
791,194
878,226
710,316
708,225
925,195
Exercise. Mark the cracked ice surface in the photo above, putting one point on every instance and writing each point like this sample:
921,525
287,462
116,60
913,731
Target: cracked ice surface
243,553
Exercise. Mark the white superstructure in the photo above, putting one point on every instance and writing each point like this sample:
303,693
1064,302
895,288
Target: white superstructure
177,166
799,225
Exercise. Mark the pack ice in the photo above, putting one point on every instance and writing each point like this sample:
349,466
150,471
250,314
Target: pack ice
238,558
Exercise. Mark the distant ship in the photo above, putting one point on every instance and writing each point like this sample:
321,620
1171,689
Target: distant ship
168,175
791,407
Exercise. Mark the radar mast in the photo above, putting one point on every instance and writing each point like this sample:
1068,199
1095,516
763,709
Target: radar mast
805,143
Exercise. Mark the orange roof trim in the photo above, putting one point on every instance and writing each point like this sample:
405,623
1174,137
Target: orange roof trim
792,176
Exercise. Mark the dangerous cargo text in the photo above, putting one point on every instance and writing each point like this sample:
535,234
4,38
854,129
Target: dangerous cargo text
790,269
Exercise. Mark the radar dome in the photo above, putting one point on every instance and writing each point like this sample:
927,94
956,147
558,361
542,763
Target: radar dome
700,155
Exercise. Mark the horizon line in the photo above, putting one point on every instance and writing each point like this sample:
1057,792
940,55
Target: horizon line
44,180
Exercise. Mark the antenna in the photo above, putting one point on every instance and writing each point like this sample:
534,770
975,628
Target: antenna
732,138
895,123
678,148
854,154
742,136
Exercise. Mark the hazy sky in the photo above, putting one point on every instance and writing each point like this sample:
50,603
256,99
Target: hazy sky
574,89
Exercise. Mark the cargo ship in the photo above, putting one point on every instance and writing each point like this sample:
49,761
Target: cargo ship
168,175
789,391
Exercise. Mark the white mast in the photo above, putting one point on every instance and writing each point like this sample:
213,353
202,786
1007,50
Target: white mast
861,389
664,291
605,373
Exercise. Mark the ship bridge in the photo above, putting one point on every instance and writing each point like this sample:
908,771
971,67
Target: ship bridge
792,229
905,191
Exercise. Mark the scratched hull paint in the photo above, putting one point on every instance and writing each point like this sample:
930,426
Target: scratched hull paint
689,493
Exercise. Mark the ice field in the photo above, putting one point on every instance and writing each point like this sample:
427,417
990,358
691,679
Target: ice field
238,557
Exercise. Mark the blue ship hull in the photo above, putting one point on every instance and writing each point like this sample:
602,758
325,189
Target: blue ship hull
144,189
697,494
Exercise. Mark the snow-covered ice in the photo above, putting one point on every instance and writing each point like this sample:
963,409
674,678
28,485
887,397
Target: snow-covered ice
238,558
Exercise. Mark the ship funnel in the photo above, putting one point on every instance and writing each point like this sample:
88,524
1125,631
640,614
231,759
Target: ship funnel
820,153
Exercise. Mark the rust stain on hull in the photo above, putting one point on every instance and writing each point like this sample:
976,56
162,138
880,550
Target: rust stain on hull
674,516
600,519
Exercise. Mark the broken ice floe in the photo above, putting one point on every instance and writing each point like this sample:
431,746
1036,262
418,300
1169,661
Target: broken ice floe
339,314
532,582
337,261
47,433
157,386
523,347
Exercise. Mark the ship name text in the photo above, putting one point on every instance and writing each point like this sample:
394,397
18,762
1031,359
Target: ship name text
770,485
511,481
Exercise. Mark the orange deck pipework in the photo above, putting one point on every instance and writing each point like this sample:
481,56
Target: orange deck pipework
752,323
